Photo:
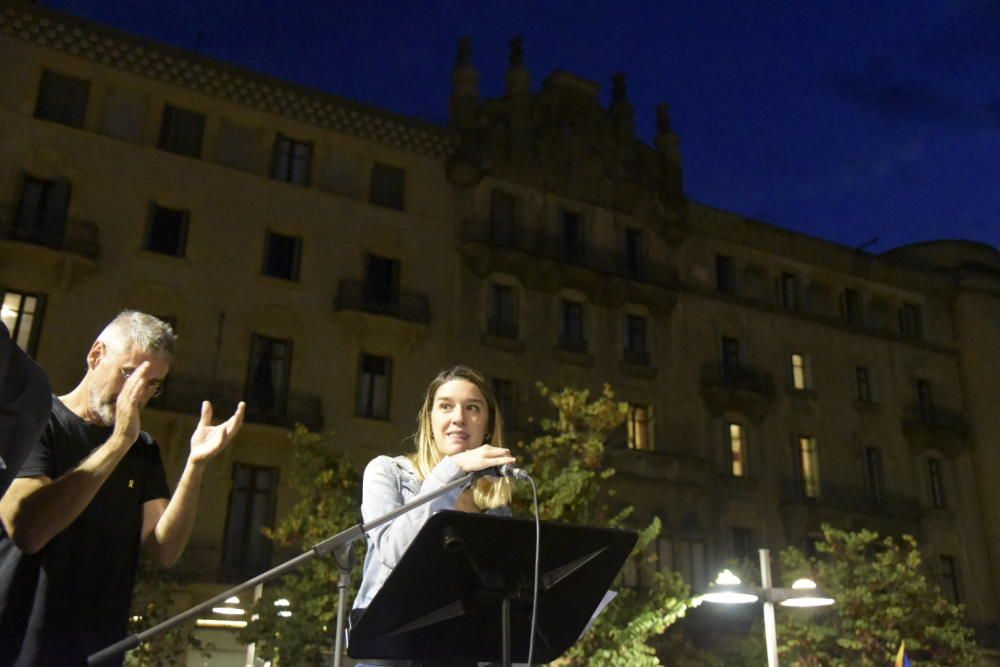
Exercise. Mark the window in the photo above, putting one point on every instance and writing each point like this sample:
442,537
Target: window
571,326
633,252
640,427
572,235
874,478
167,230
863,384
506,394
636,351
935,479
743,544
267,384
925,398
731,361
246,551
689,560
388,186
911,320
788,291
724,274
736,436
282,255
850,307
503,217
502,321
41,212
665,553
801,369
374,380
291,161
62,99
182,131
950,584
808,466
381,290
22,313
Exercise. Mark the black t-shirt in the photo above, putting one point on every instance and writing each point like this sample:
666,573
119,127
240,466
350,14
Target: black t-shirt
72,598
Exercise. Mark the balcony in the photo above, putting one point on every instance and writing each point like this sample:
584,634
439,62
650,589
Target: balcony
61,251
935,428
184,394
739,388
889,513
544,262
404,305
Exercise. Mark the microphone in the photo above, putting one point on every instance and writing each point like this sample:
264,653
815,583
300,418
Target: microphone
508,470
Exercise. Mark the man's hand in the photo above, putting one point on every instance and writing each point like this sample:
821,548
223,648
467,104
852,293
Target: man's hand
208,440
129,404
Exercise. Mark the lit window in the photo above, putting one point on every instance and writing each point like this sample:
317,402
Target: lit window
809,466
737,450
22,314
640,427
801,371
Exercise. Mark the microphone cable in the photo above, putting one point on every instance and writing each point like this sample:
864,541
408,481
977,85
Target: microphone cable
534,597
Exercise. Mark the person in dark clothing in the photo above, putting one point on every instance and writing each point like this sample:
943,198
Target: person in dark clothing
25,403
90,496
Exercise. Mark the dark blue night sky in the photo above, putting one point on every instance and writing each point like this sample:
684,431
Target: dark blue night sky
844,120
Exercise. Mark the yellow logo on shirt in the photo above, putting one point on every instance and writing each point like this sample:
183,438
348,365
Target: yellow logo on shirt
131,484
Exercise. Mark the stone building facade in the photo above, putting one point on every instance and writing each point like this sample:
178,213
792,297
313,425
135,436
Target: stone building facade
323,259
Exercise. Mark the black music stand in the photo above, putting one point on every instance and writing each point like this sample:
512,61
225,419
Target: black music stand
463,590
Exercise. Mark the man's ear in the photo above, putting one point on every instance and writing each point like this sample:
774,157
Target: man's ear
96,353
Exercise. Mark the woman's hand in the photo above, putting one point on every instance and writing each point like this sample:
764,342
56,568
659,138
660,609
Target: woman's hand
482,457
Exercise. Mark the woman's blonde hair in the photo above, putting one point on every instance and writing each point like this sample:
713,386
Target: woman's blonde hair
488,492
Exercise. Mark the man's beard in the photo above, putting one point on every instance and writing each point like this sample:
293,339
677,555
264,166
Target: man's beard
103,409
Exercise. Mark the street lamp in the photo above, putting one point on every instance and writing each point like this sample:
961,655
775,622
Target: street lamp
728,589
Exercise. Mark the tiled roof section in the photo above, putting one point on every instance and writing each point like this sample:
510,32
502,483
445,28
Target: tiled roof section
133,54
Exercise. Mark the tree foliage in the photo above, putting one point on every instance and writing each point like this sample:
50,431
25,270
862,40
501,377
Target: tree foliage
152,604
329,498
569,465
883,597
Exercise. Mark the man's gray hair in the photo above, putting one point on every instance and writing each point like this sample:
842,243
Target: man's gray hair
148,333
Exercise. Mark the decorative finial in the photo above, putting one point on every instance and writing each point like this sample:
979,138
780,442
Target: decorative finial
663,118
516,58
618,92
464,56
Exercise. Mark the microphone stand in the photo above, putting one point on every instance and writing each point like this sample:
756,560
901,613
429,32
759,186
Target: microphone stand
340,545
